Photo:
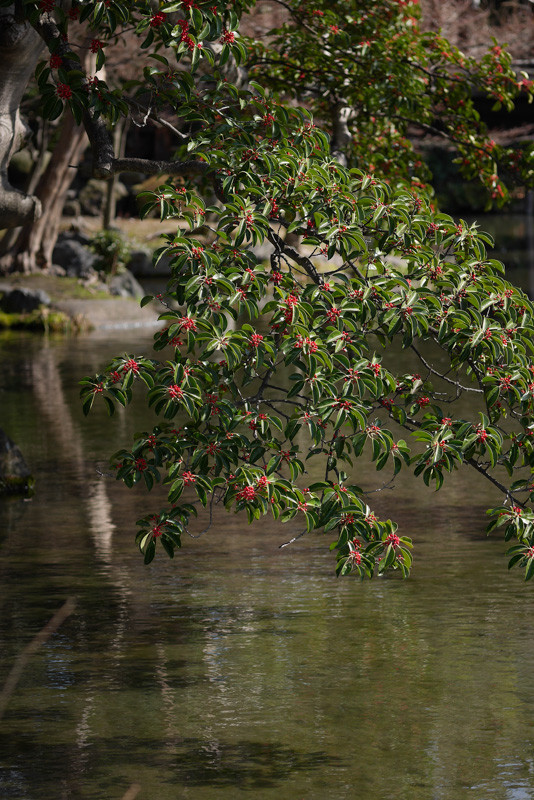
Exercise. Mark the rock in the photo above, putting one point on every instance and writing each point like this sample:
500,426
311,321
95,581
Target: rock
141,264
22,301
15,477
125,285
74,257
55,269
93,194
91,197
72,208
74,234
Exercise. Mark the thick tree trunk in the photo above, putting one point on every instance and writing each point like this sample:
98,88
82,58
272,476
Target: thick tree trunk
20,50
33,247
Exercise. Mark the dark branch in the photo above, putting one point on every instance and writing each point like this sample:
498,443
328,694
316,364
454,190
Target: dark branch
299,259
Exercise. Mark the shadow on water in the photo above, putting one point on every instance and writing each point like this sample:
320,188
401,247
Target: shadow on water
249,765
245,764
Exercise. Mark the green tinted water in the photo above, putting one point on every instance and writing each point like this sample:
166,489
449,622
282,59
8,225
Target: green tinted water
239,669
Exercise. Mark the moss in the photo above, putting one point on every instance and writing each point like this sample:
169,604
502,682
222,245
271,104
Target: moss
42,320
64,288
17,486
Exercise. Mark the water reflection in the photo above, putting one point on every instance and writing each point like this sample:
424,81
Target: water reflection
240,669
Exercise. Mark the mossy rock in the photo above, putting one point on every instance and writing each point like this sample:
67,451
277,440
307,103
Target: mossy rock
15,477
42,319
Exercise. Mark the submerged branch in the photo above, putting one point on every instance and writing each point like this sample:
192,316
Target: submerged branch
39,639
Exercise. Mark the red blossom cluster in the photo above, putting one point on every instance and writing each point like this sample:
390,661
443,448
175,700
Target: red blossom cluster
63,91
157,20
228,37
131,364
175,392
184,36
247,493
188,324
333,314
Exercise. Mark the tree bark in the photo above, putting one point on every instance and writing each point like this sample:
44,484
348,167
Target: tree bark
35,243
20,50
32,248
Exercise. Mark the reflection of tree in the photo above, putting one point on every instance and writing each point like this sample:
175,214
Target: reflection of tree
48,388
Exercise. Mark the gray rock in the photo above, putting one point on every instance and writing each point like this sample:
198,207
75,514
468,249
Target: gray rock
74,235
55,269
22,301
141,263
125,285
93,194
15,477
72,208
74,257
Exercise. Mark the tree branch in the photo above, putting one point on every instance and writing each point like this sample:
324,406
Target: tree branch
299,259
40,638
433,371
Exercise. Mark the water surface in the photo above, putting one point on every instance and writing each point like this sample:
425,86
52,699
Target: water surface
239,669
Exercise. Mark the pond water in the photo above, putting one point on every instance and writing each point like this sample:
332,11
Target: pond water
240,669
514,244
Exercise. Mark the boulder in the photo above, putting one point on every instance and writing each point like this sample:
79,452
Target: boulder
74,257
125,285
92,196
141,263
74,234
15,477
72,208
22,301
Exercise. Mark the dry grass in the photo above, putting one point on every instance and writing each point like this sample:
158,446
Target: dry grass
147,232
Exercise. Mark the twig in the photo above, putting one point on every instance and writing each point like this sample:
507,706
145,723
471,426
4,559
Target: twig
294,539
150,113
208,526
444,377
132,792
387,485
40,638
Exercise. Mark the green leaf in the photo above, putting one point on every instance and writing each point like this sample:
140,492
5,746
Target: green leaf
150,551
109,404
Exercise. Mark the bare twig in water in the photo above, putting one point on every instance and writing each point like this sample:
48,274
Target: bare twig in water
132,792
40,638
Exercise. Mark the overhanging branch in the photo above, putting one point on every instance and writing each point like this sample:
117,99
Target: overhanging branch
299,259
